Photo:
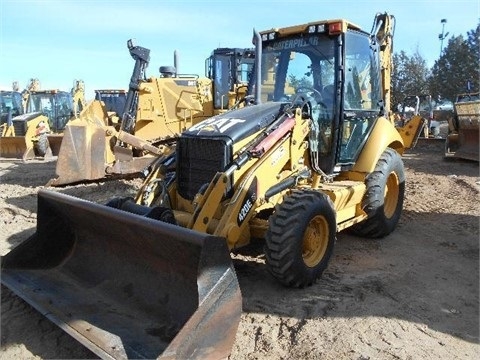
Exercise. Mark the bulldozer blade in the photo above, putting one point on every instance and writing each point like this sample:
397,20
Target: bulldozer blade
82,154
124,285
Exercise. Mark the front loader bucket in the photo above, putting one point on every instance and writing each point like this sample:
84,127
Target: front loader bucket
468,142
12,147
127,286
468,132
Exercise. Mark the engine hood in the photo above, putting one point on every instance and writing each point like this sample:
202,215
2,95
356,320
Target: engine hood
237,124
27,116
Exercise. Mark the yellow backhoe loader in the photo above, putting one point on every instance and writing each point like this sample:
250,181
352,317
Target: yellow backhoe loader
38,132
98,146
464,131
11,103
22,135
33,85
313,153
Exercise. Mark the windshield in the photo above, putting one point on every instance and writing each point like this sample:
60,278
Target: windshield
297,62
12,100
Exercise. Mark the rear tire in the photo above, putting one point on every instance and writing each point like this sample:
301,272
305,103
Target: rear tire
383,200
300,238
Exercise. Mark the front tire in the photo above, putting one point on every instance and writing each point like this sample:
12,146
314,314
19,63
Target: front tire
383,200
42,145
300,238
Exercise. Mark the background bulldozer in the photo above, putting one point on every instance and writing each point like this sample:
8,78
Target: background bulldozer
463,139
313,153
156,110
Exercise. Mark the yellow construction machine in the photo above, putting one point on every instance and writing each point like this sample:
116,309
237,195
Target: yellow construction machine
78,96
463,138
156,109
22,135
33,85
313,153
38,132
11,104
419,109
114,101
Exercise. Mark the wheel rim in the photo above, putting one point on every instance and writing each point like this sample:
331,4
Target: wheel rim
392,189
315,241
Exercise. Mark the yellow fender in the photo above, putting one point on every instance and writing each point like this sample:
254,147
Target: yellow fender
383,136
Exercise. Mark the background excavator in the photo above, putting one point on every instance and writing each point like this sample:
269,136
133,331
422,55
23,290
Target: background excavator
312,153
156,109
38,131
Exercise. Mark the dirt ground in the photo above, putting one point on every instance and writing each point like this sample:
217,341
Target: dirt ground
411,295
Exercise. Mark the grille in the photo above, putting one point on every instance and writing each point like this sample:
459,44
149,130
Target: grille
198,160
20,127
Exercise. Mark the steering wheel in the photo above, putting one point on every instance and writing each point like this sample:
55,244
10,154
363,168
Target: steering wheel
311,95
317,95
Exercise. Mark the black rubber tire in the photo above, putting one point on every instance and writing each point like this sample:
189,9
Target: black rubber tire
41,146
303,216
383,200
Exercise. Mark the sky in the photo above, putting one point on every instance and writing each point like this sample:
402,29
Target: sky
60,41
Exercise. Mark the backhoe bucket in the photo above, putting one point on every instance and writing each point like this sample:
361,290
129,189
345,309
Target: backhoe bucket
124,285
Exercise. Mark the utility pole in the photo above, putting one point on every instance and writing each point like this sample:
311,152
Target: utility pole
442,36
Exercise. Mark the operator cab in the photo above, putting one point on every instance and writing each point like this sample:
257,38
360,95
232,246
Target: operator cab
56,105
332,71
114,100
230,70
